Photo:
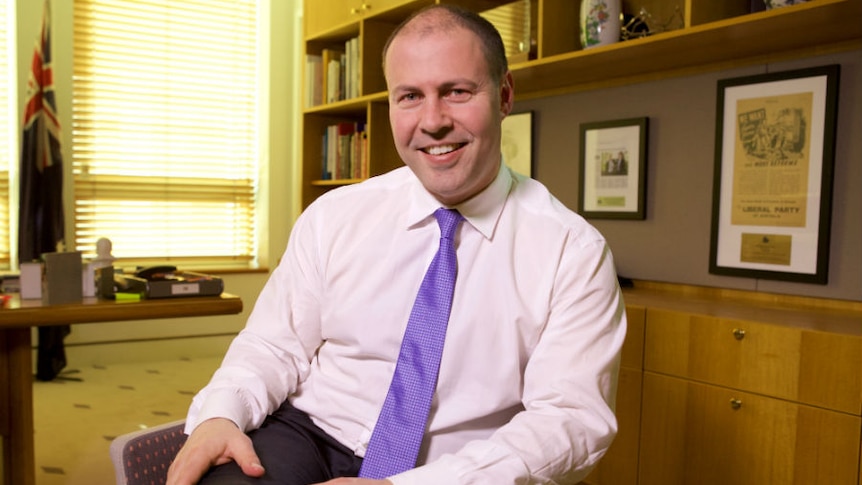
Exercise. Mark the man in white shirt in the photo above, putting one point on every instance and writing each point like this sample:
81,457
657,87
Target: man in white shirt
526,386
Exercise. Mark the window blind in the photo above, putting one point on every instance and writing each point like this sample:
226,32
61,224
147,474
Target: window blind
8,134
165,130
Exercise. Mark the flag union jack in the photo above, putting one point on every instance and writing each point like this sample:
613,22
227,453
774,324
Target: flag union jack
40,113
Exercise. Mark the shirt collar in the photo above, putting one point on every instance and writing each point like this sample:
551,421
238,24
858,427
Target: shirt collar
482,211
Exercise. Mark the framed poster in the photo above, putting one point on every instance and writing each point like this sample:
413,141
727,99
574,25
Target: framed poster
517,142
774,156
613,169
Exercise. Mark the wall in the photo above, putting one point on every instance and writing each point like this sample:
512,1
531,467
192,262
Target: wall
672,244
152,340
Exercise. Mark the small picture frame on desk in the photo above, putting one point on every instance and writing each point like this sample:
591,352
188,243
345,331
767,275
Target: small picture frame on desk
772,194
612,167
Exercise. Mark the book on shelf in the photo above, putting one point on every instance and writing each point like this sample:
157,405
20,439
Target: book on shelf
352,68
346,132
344,151
331,150
333,75
313,80
359,153
324,154
331,62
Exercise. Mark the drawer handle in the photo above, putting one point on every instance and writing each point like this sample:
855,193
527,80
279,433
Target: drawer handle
738,333
735,403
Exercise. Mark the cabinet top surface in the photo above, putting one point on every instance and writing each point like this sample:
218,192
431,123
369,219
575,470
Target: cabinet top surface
834,316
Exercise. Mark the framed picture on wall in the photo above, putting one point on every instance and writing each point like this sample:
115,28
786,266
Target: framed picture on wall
774,156
517,142
613,169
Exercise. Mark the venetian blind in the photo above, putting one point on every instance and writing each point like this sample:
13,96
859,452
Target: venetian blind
7,130
165,130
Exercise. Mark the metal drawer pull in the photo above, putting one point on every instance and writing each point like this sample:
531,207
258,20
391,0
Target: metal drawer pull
738,333
735,403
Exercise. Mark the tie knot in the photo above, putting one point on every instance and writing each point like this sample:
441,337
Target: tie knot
448,220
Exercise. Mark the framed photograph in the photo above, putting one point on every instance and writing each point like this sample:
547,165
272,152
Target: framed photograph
774,156
517,142
613,169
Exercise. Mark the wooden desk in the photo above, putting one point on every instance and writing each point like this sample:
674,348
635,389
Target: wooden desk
16,361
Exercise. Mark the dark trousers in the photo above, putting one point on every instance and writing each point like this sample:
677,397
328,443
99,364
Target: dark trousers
293,450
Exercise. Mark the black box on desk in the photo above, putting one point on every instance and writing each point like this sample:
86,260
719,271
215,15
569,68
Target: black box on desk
175,284
63,282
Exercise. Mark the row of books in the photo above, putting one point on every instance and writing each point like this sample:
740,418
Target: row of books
333,75
345,151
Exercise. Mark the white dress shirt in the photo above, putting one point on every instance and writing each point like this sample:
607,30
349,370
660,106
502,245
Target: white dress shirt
528,374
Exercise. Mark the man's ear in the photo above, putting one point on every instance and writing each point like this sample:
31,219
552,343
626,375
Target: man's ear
507,94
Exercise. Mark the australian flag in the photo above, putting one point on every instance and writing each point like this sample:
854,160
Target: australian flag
40,208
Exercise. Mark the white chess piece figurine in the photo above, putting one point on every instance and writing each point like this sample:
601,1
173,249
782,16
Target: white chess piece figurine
103,254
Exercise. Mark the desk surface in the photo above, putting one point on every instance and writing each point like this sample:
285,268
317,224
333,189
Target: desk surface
30,313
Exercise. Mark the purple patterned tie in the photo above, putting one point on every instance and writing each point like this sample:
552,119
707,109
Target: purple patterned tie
397,436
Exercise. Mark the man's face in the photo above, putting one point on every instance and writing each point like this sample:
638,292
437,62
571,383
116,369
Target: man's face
446,111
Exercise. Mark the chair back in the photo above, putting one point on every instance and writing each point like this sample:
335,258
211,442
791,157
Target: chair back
143,457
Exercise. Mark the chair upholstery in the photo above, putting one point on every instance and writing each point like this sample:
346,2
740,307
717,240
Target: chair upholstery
143,457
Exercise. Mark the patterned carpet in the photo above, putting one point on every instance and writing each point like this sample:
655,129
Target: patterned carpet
78,415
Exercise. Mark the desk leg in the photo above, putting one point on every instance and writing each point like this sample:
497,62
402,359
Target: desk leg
16,407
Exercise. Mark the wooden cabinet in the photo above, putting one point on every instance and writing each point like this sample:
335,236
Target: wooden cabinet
696,433
707,35
815,368
723,386
748,389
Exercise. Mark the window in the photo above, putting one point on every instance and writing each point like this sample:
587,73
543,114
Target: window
165,130
8,134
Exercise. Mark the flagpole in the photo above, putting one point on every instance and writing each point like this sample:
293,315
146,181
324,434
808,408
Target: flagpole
41,218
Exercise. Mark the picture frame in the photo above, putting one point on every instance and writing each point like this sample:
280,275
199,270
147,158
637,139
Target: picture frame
516,142
613,167
772,180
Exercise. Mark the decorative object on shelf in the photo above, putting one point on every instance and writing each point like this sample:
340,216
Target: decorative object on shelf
636,26
645,24
770,4
613,169
517,142
600,22
772,195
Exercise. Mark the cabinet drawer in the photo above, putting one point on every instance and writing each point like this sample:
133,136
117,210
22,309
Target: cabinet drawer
697,433
816,368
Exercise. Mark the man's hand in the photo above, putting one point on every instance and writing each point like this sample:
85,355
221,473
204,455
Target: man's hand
355,481
214,442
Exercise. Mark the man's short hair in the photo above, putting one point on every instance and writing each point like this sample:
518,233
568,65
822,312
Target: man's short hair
455,17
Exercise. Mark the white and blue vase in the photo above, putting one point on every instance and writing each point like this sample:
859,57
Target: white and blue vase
600,22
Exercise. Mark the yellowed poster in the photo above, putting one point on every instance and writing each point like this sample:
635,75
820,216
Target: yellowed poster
771,160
